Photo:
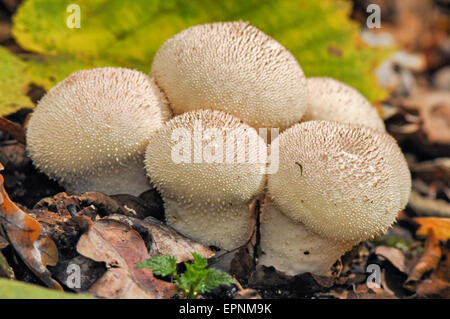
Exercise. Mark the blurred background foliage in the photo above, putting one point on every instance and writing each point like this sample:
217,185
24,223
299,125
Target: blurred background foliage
128,33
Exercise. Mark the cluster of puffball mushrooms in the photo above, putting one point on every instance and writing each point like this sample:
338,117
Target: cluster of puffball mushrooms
341,178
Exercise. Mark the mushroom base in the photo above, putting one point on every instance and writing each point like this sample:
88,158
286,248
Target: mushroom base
224,227
128,179
291,248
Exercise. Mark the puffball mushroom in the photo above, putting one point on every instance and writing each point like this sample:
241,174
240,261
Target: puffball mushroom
90,131
337,184
194,161
332,100
233,67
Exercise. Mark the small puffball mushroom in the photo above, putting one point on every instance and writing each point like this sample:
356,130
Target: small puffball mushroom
90,131
204,166
233,67
332,100
337,184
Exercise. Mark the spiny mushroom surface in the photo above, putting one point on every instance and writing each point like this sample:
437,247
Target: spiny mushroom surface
337,184
90,131
332,100
194,161
233,67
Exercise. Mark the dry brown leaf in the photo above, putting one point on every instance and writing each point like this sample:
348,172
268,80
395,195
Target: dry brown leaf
121,248
394,256
438,285
428,261
23,232
440,227
436,122
165,240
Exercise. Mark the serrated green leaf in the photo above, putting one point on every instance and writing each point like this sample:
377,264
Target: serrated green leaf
128,33
13,83
199,261
161,265
215,278
12,289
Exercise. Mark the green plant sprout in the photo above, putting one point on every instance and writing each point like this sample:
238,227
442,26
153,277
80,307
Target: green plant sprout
195,280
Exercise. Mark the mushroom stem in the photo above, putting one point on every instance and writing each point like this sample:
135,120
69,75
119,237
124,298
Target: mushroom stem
296,249
234,222
129,179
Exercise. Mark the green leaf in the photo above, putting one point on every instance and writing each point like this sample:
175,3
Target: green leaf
215,278
13,83
199,261
161,265
128,33
12,289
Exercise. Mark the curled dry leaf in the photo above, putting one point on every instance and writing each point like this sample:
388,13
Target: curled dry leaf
23,232
428,261
164,240
121,248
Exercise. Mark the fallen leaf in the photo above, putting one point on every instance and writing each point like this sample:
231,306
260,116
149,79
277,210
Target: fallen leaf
424,206
438,285
440,227
437,169
428,261
436,122
39,26
165,240
12,289
23,232
394,256
121,248
13,83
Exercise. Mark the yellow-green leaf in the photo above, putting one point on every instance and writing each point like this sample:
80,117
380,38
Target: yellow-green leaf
13,83
12,289
128,33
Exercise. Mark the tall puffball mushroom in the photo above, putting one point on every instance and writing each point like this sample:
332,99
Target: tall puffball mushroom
208,167
233,67
90,131
332,100
337,184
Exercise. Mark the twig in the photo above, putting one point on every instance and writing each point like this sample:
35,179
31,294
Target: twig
13,129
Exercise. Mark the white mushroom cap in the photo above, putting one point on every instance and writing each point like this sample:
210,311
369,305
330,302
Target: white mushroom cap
206,198
332,100
90,131
341,182
233,67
